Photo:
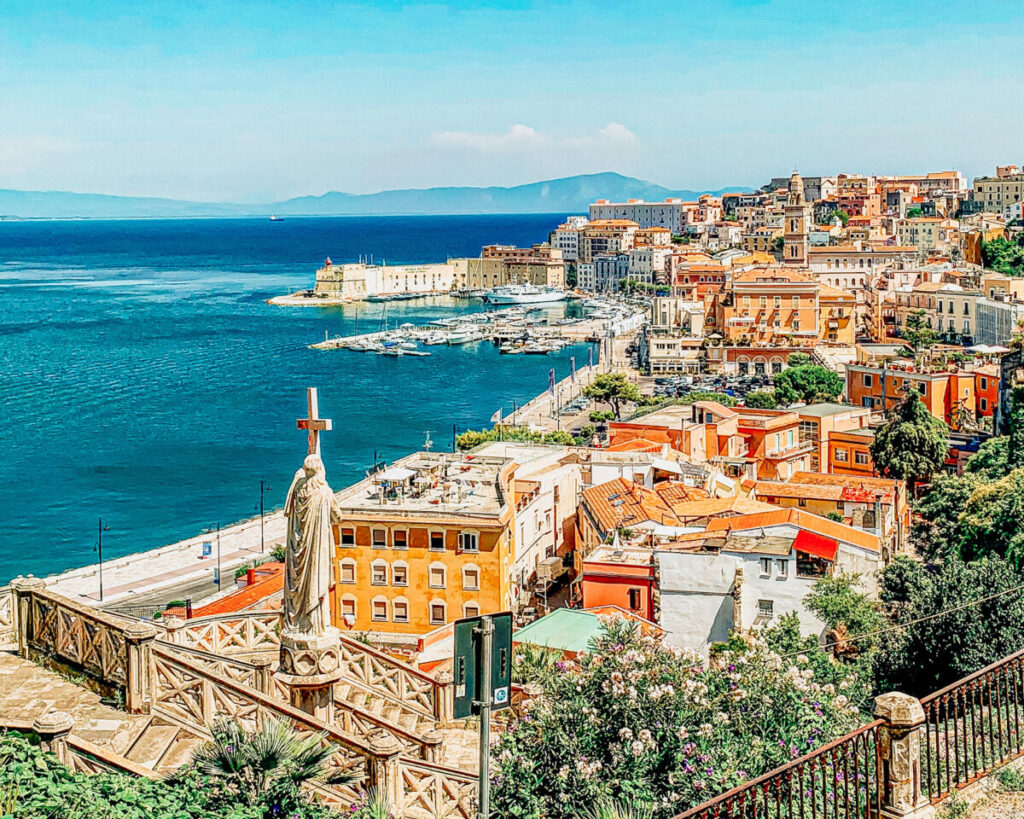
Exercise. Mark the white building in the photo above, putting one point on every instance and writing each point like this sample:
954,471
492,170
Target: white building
566,237
648,263
746,571
670,214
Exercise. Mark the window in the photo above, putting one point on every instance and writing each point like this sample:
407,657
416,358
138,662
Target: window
802,502
348,571
469,542
348,607
842,456
400,539
762,302
399,574
777,302
437,613
348,536
471,578
984,383
380,538
796,302
766,567
437,577
400,610
860,458
984,405
867,380
379,573
782,566
634,599
437,541
379,612
765,608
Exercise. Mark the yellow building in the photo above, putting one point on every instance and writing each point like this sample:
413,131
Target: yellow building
770,307
423,543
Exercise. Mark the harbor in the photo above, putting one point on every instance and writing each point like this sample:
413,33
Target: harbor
518,330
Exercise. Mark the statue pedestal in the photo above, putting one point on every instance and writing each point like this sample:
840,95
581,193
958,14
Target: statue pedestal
310,665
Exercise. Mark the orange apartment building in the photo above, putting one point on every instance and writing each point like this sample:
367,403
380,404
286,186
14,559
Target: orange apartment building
423,543
849,452
948,394
770,307
617,575
744,442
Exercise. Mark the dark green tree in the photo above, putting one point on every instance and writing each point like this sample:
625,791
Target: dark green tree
992,520
844,217
613,389
980,619
912,444
761,399
917,333
914,213
937,532
1004,255
808,383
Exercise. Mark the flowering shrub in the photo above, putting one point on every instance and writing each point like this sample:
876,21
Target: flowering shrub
638,721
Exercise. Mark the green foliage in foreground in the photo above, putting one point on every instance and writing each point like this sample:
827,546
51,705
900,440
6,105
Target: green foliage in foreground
912,444
237,776
761,399
644,724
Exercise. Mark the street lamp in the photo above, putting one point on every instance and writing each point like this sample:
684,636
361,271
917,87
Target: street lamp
216,527
264,487
100,529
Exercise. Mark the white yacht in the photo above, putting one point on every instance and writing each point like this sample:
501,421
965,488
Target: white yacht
524,294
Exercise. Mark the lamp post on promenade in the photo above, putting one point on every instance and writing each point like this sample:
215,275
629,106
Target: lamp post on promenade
215,527
264,487
100,529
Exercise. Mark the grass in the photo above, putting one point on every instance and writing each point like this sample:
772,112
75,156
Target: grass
1011,779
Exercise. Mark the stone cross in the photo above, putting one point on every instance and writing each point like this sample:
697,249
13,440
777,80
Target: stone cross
313,422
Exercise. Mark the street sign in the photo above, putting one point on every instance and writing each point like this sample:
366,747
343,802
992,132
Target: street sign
207,548
470,664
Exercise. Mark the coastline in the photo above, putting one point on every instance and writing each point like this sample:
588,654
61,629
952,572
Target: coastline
170,565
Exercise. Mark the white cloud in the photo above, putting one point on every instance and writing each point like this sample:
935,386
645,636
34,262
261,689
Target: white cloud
520,138
516,138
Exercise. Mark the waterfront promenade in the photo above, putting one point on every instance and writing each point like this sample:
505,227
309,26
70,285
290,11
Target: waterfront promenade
173,566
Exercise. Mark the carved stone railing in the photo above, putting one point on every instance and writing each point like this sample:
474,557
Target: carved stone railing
251,632
6,614
197,696
114,651
429,790
347,717
241,633
413,688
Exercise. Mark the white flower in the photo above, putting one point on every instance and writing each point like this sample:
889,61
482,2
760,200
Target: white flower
637,747
705,731
625,734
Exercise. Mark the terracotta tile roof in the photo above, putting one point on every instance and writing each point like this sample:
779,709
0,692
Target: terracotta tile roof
247,596
736,505
774,489
623,503
635,445
801,519
886,485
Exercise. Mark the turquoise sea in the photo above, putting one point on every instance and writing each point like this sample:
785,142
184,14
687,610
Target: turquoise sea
144,379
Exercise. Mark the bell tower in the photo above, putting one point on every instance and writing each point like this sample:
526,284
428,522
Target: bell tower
798,217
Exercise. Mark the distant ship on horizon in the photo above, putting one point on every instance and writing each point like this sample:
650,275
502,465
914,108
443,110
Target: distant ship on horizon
276,218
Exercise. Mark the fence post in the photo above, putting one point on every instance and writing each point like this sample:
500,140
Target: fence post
53,730
21,610
444,702
384,775
174,626
139,694
264,676
899,752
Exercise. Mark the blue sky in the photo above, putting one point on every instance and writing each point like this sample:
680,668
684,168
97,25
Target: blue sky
257,101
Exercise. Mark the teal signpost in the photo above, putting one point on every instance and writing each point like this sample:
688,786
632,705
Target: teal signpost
483,681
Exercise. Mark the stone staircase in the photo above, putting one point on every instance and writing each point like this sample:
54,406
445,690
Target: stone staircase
353,694
163,745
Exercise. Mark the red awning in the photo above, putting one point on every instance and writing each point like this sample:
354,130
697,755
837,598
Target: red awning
815,544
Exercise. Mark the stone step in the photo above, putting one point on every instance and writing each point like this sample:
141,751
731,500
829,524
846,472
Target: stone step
151,746
180,753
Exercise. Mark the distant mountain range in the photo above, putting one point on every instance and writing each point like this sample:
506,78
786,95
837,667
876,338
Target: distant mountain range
571,194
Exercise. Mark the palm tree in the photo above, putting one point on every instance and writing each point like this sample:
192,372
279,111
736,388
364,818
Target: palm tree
268,766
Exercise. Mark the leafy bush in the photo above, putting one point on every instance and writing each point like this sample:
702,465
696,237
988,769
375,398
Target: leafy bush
278,553
1011,779
473,438
640,722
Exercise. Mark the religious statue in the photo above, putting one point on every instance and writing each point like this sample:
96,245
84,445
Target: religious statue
311,509
310,646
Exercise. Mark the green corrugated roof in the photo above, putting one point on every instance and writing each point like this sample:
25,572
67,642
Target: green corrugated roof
565,629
